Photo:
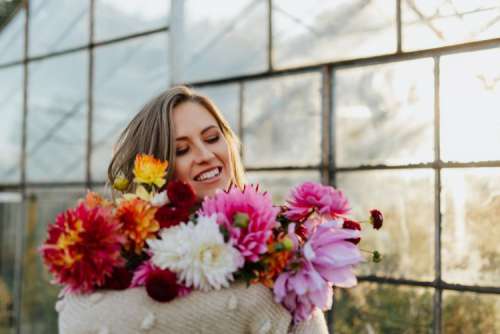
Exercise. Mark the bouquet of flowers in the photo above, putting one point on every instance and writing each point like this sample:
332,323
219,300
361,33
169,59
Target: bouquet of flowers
157,237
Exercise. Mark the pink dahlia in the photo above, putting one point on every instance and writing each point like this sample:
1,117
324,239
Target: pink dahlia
142,272
302,291
83,247
248,216
309,196
332,254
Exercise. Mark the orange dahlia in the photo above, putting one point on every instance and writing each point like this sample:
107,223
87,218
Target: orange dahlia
149,170
82,248
138,222
274,263
93,199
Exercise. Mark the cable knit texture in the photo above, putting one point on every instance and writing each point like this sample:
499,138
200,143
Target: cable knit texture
237,309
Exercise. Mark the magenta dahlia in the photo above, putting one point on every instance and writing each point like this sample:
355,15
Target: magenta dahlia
247,215
308,196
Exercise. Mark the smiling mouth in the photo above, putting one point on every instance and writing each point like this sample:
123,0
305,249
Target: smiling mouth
209,174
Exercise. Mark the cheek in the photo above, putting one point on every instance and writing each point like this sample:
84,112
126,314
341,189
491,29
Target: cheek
223,152
181,169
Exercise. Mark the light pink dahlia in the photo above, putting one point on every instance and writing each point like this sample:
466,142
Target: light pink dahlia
332,255
248,216
302,291
326,200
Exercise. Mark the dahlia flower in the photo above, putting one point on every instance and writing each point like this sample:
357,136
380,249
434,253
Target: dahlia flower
332,254
83,247
308,196
149,170
248,216
93,199
142,273
161,285
139,223
168,216
181,194
197,254
302,291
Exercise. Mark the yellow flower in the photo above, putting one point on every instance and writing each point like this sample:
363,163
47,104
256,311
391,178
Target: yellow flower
140,192
149,170
121,183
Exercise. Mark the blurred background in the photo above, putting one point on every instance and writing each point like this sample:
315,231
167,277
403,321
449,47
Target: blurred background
396,102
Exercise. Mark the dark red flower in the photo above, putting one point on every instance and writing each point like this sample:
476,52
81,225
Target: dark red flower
161,285
352,225
376,218
120,279
301,231
181,194
169,216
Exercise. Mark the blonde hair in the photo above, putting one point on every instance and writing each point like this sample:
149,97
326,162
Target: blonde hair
151,132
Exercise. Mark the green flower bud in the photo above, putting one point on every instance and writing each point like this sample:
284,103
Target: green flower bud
241,220
287,243
376,257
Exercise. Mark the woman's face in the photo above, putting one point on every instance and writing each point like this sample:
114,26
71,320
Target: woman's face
202,152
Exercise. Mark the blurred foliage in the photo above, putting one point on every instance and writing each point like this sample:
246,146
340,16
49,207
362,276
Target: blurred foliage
470,313
5,307
372,308
38,295
7,8
379,308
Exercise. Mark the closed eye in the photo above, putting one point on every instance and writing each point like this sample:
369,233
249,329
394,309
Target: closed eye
181,151
213,139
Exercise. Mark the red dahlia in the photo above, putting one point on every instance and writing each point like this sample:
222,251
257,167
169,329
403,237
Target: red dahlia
181,194
161,285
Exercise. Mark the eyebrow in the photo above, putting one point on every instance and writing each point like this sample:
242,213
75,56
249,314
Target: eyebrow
202,132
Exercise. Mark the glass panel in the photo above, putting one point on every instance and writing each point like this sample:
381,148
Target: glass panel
11,95
470,96
127,75
282,121
57,120
12,39
384,114
115,18
378,308
471,207
39,296
406,199
428,24
279,183
227,99
58,25
471,313
10,220
218,38
306,32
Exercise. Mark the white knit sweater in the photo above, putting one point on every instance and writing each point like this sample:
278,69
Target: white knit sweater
235,310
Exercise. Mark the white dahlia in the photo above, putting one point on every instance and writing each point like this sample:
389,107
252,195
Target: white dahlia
197,253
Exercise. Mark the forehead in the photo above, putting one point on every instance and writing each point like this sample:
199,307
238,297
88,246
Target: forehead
190,118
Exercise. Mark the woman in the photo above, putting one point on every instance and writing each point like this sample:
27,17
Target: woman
186,129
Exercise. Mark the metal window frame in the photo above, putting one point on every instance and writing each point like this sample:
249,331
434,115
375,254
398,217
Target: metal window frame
327,167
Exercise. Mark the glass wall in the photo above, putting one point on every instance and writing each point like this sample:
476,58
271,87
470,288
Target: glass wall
394,102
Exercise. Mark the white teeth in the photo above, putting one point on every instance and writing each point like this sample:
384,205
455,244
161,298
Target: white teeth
208,175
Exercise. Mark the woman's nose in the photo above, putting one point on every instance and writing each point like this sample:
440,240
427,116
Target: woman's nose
203,154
